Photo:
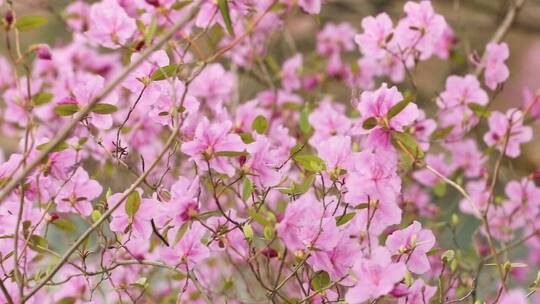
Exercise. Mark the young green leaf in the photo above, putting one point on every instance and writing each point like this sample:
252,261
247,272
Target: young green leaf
320,280
369,123
247,189
479,110
42,98
224,9
409,143
60,147
29,23
344,219
305,127
260,124
104,108
248,231
398,107
164,72
65,225
231,153
133,203
66,109
442,133
310,162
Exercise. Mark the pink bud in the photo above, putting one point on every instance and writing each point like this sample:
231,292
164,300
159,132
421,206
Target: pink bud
400,290
9,18
43,52
269,252
153,2
53,216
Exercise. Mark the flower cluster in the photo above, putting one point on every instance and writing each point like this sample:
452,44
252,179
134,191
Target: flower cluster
170,153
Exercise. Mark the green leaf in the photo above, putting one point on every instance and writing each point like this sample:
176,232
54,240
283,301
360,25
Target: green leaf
448,255
178,5
297,189
64,224
164,72
141,283
248,231
38,243
369,123
247,138
60,147
224,9
268,233
409,143
344,219
66,109
440,189
231,153
150,32
398,107
260,124
303,121
104,108
42,98
67,300
479,110
310,162
320,280
259,218
442,133
29,23
96,215
247,189
133,203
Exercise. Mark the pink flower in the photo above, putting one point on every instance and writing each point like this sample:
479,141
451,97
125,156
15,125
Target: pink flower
290,72
262,162
421,29
337,153
76,195
496,71
411,245
138,223
59,164
214,85
305,226
189,251
110,25
77,16
374,178
85,89
184,204
338,260
514,296
465,155
141,75
335,38
209,140
378,103
461,91
507,132
418,293
310,6
328,120
375,276
373,40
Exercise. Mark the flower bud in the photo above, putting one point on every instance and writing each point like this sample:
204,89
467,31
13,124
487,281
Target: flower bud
43,52
153,2
269,252
8,19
